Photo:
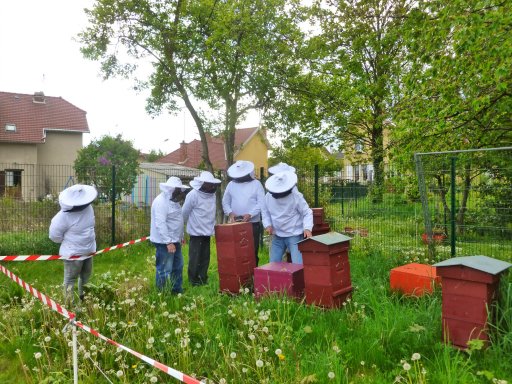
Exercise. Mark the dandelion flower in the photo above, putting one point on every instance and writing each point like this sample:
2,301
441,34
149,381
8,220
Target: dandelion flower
232,355
119,373
259,363
37,355
406,366
415,356
331,375
281,357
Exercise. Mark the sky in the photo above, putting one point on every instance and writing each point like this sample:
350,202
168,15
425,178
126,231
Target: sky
38,53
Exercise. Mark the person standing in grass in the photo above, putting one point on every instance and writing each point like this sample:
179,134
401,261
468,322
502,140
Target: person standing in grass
286,215
167,234
243,199
199,212
73,228
283,167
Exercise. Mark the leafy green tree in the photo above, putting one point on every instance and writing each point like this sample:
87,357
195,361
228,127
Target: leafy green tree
457,89
94,164
304,157
213,55
154,155
351,71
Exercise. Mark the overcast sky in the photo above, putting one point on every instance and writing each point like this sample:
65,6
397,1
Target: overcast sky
37,53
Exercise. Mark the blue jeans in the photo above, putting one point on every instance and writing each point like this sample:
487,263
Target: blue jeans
169,268
279,245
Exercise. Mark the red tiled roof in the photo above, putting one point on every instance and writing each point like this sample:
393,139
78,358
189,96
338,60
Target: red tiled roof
190,154
32,119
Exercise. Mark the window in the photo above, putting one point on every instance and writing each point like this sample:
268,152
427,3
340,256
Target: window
12,178
10,127
359,147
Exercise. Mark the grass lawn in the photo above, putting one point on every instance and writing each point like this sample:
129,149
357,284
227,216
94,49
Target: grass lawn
377,337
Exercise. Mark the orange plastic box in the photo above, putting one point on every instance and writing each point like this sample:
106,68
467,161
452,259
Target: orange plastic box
414,279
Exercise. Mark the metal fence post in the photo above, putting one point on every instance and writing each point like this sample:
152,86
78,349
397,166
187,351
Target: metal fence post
113,229
262,180
452,213
316,186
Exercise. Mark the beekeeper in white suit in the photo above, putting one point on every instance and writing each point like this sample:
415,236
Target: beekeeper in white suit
73,228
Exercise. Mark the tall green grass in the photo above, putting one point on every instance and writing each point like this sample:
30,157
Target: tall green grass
377,337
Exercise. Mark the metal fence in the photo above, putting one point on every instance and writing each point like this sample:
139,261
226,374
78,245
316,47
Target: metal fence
420,215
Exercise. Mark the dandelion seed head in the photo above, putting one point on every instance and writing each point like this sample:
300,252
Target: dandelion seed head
47,339
415,356
259,363
331,375
119,373
406,366
37,355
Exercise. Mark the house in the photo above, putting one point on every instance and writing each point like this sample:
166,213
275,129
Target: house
250,144
147,182
37,133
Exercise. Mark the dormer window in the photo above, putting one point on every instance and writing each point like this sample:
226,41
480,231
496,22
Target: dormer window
39,98
10,127
359,147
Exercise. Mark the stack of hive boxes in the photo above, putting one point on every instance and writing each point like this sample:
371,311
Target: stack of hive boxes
319,225
235,256
281,278
326,269
470,288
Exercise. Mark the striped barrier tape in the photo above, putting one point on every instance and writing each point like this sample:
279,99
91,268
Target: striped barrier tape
71,316
57,257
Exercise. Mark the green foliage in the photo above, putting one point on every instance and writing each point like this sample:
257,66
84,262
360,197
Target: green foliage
375,337
456,89
227,55
305,156
95,162
154,155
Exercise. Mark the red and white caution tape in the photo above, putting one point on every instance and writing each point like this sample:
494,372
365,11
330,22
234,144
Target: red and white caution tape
38,295
57,257
70,315
164,368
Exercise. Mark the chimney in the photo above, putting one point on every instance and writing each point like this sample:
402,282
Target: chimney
183,151
39,97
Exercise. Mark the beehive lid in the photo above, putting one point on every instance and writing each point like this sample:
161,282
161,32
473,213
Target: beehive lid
329,238
481,263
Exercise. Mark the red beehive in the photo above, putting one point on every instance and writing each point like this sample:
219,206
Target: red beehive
470,285
279,277
326,269
319,225
318,215
414,279
235,255
233,283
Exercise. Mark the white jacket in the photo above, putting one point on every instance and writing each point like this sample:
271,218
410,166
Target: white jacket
166,220
288,216
199,213
244,198
75,232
